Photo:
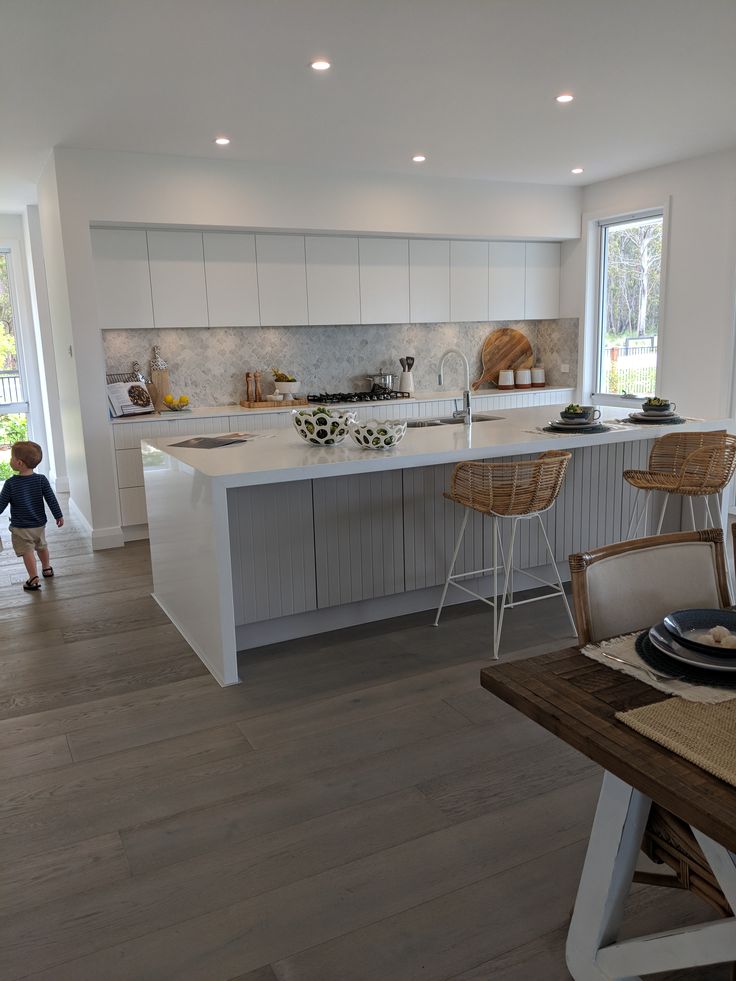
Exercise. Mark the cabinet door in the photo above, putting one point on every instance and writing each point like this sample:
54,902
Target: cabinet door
177,279
468,281
282,280
429,281
384,281
542,281
333,280
507,267
358,536
232,284
122,278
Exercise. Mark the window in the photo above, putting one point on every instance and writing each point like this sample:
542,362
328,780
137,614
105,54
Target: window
628,326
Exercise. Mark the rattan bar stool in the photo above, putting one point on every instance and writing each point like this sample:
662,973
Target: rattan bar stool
688,464
518,490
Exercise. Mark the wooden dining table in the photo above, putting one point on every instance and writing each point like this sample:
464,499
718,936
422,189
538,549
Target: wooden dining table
577,698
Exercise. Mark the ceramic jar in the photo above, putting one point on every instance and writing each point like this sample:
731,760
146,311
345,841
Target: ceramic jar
523,378
506,380
538,379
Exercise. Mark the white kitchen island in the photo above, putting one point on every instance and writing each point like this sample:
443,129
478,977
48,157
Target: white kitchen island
273,539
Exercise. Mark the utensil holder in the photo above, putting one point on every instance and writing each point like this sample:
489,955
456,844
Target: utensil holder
406,382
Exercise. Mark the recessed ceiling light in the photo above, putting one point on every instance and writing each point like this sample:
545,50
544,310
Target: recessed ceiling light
565,97
418,158
576,170
320,65
222,141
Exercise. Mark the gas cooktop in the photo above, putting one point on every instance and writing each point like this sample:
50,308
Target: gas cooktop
376,395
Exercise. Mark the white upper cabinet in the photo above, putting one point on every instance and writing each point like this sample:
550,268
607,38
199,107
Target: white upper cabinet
542,281
507,277
429,281
232,283
468,280
333,280
282,280
384,281
177,279
122,277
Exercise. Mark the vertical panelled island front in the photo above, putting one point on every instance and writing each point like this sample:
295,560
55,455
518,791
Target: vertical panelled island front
272,539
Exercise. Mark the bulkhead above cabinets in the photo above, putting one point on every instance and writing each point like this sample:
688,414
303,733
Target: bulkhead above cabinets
190,278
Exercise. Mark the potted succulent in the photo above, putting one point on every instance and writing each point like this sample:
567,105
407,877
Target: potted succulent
285,384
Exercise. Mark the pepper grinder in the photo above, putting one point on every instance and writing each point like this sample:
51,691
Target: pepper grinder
159,378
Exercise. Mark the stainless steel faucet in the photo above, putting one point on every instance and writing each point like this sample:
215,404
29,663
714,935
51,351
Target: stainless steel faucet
465,413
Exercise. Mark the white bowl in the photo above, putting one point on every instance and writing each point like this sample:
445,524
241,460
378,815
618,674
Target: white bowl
287,388
378,434
321,426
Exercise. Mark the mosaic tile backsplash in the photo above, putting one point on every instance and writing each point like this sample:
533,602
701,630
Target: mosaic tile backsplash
209,364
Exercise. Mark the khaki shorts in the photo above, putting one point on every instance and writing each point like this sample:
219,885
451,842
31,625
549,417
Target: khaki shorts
27,539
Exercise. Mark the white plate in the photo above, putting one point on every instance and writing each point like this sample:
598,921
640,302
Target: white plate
651,416
573,425
662,640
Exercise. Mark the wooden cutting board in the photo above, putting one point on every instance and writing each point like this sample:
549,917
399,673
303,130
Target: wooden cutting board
504,348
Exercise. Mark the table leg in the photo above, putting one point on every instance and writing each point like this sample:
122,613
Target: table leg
613,849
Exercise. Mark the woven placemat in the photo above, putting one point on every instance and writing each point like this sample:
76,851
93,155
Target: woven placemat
703,734
652,656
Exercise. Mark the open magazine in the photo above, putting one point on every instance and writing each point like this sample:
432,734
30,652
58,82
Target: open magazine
128,398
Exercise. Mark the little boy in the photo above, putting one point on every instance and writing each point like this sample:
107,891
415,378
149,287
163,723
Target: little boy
25,492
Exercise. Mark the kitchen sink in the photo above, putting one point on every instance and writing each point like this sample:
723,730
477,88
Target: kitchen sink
449,420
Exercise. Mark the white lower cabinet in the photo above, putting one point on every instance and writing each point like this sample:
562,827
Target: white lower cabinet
133,506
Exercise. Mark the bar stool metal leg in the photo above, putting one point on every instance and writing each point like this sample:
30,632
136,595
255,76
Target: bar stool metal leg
508,566
661,514
557,574
452,566
692,511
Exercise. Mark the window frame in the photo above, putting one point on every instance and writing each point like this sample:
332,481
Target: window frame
23,407
593,227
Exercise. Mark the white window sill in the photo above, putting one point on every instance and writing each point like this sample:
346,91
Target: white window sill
598,398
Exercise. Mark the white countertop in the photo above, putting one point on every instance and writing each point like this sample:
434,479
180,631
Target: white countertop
282,455
215,411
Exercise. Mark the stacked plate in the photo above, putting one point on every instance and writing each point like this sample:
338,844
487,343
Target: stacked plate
690,637
655,417
568,426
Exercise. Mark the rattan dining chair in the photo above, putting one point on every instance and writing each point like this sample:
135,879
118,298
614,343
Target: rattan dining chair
629,586
687,464
522,489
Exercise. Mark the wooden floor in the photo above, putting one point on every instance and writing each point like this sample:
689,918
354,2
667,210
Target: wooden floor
358,809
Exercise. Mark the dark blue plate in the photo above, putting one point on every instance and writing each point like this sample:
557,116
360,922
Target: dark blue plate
681,622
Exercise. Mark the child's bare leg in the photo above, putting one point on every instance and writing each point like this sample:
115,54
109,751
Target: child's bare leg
29,558
43,557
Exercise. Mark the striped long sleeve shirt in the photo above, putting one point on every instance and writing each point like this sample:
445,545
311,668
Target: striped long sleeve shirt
26,496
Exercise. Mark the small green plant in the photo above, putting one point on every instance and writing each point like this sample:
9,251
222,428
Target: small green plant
13,429
5,471
281,376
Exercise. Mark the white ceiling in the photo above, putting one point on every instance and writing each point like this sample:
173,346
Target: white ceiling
471,83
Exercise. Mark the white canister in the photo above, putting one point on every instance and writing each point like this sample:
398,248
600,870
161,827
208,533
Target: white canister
506,379
538,380
523,378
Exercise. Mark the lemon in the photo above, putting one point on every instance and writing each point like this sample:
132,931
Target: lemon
169,399
183,400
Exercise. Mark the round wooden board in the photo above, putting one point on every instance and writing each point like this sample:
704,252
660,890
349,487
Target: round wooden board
504,348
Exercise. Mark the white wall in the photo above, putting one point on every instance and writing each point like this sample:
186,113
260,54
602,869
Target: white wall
82,187
70,402
697,331
150,189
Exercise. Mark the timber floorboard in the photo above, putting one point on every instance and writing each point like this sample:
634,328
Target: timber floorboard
358,809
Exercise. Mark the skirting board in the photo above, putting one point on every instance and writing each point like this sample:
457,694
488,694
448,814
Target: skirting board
250,635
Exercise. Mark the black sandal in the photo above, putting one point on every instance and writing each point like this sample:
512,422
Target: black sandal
32,584
48,573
